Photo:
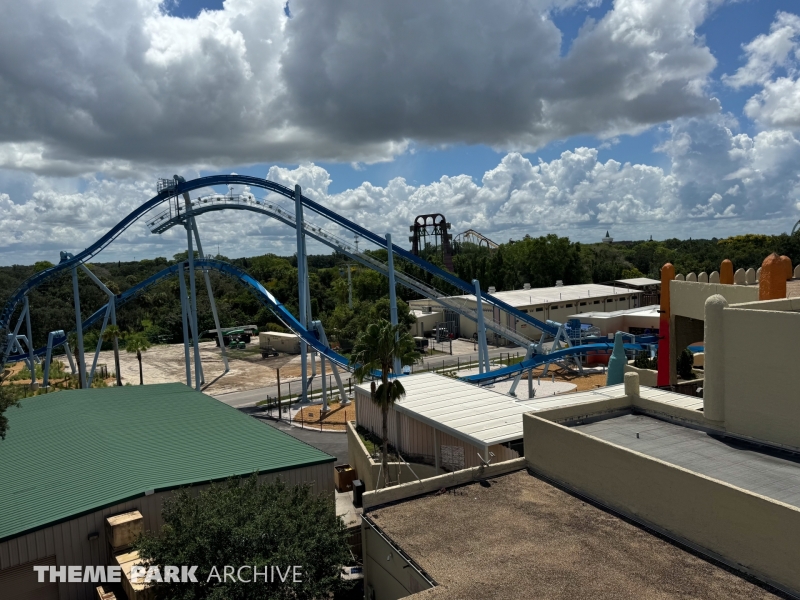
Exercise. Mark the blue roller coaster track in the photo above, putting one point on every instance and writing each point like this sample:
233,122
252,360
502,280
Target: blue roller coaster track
253,182
541,359
178,188
260,292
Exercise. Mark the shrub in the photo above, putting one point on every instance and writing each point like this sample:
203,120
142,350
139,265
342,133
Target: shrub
643,361
684,366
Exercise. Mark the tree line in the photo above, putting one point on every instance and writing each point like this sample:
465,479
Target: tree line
540,261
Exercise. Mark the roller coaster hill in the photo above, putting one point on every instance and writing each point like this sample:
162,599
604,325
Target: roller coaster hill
173,206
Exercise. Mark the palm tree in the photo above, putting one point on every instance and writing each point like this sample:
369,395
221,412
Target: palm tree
138,343
377,347
113,334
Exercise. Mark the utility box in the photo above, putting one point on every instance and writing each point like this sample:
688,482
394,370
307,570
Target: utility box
122,530
288,343
358,491
343,477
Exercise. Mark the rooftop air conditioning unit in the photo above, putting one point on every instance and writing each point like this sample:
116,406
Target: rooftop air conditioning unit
526,286
559,283
492,289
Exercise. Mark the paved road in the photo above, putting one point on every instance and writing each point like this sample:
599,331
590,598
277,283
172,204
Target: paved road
334,444
250,397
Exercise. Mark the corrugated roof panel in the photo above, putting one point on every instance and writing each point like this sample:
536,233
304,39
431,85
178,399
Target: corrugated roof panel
74,451
479,415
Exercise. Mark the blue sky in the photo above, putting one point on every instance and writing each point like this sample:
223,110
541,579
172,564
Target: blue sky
662,118
730,26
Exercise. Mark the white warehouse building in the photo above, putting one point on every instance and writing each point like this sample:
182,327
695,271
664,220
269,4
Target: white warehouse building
557,303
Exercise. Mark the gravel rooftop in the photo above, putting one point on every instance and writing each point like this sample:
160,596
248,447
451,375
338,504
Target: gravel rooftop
521,537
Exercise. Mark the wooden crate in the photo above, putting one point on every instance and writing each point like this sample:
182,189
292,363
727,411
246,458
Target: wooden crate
105,593
122,530
343,477
134,591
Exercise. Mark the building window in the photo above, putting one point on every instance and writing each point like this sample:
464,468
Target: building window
540,309
568,306
583,303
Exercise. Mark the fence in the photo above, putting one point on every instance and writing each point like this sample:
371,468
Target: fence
469,361
309,416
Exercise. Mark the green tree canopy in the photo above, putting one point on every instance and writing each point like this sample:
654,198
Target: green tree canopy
246,522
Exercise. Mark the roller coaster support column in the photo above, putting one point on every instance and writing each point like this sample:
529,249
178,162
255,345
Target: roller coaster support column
31,362
210,296
530,384
11,339
46,369
301,288
79,328
309,316
324,384
111,312
323,338
483,349
392,298
513,390
184,318
198,374
99,342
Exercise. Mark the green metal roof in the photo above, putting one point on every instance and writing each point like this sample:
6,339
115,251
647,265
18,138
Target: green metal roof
72,452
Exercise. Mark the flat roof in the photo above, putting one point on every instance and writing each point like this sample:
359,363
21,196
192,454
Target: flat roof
422,313
554,295
278,334
72,452
481,416
639,281
773,474
640,311
476,415
518,537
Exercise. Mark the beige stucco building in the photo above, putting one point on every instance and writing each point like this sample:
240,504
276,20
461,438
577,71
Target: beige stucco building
718,474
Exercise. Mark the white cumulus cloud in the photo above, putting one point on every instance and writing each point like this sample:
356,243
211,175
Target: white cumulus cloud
123,85
773,61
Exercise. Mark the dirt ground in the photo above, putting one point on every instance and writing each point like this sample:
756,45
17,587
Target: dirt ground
333,420
584,383
165,364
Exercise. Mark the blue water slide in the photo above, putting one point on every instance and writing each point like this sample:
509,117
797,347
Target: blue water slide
261,293
539,359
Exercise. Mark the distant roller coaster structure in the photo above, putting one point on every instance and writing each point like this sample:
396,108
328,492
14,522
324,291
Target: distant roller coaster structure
181,210
437,227
470,236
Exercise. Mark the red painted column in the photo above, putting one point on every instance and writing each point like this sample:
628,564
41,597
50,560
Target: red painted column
667,275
